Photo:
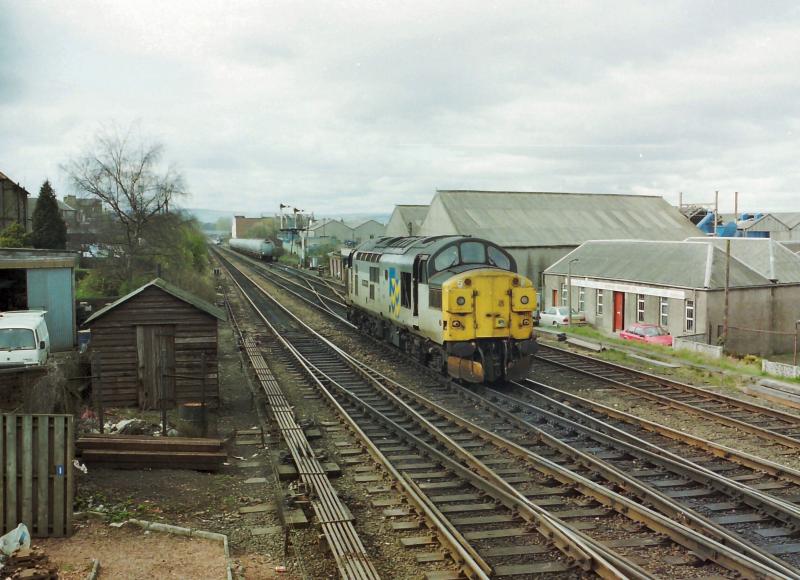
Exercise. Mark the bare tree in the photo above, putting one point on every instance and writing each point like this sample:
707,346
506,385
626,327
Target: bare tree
124,171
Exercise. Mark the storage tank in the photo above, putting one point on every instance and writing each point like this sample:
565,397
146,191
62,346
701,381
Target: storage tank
261,249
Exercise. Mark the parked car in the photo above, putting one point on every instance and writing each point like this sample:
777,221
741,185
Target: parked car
24,338
557,315
650,333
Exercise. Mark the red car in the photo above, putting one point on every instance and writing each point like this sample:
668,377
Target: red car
651,333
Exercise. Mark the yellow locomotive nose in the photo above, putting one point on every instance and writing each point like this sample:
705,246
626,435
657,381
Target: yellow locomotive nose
487,303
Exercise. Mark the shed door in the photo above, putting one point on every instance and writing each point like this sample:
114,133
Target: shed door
619,311
155,349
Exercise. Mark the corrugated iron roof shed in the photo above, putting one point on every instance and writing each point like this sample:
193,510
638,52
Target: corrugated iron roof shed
790,218
663,263
768,257
532,219
178,293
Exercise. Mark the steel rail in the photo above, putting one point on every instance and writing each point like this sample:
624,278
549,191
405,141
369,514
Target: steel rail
332,514
262,271
761,432
699,547
665,504
472,565
317,279
583,550
755,561
667,382
720,451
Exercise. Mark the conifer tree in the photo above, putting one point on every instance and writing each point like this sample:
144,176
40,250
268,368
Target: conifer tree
49,229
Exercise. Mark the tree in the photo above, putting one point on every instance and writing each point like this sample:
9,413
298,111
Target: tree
49,229
126,174
13,236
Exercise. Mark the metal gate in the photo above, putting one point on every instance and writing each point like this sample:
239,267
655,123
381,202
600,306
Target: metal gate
36,476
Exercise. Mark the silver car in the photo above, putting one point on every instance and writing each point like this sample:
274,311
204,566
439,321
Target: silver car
557,316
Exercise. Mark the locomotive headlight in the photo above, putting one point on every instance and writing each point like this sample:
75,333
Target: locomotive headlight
461,301
524,299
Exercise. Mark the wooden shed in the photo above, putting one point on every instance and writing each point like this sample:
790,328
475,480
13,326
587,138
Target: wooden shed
157,333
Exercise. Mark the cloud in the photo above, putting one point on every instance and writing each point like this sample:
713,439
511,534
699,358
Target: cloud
355,106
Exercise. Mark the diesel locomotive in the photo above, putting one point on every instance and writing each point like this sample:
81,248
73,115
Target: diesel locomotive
260,249
455,303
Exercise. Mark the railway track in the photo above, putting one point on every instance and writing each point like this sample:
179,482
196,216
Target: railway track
497,491
775,428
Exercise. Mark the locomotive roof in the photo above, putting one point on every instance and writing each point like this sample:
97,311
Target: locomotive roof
406,244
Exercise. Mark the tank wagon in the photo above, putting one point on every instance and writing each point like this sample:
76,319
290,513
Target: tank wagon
454,303
261,249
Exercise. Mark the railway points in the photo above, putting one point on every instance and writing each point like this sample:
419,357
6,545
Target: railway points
767,557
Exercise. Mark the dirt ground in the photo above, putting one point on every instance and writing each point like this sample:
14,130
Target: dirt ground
132,553
207,501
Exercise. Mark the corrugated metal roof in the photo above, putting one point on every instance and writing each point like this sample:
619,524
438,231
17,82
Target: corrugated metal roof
178,293
768,257
530,219
663,263
790,218
412,213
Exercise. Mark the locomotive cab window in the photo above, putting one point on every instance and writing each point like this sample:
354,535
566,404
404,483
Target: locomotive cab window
446,258
473,253
498,258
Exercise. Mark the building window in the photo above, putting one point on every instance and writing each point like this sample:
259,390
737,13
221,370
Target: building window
664,310
564,295
599,302
581,299
689,315
640,308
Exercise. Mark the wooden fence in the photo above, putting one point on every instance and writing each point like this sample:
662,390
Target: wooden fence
36,474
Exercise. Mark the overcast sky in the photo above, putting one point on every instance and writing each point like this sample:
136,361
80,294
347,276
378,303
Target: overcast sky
354,106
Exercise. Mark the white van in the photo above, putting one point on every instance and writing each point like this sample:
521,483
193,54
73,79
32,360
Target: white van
24,339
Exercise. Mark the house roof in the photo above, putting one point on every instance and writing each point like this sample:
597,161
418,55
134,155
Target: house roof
532,219
682,264
178,293
4,177
61,205
766,256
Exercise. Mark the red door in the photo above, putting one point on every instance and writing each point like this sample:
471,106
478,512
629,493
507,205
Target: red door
619,311
555,298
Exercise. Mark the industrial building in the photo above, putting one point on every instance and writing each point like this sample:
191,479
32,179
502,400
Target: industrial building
406,220
681,287
41,280
156,329
539,228
366,230
13,203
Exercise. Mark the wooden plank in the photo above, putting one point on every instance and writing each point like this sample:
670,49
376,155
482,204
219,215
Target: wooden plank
42,476
11,470
70,475
27,471
2,475
58,470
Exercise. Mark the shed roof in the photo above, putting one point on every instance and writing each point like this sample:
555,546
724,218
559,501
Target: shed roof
663,263
533,219
412,213
766,256
30,258
178,293
326,222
